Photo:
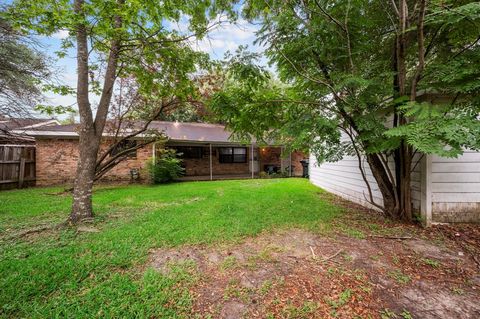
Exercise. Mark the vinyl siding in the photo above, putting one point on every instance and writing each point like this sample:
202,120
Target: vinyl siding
344,178
455,188
452,190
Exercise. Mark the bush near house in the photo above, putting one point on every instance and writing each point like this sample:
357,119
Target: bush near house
166,167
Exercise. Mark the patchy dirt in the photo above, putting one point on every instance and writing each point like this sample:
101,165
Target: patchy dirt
298,274
366,267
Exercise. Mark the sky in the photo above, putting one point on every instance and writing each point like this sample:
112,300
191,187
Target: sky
225,37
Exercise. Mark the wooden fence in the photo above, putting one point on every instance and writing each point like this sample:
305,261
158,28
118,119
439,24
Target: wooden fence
17,166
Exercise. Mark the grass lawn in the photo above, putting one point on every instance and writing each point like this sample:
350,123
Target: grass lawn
104,271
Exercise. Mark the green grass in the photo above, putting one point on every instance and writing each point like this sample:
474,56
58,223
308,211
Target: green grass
400,277
66,273
432,262
343,298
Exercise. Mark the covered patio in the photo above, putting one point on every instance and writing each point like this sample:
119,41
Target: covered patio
209,153
219,161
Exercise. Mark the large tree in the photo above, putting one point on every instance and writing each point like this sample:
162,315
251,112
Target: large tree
132,112
114,38
363,69
23,68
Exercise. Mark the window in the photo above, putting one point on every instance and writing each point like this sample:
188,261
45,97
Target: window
232,154
189,151
123,146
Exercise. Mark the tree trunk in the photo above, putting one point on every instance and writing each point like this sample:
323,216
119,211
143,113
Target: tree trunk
385,185
90,130
402,156
403,159
401,182
88,147
396,191
82,191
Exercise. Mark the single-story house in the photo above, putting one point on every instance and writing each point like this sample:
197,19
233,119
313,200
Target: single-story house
208,154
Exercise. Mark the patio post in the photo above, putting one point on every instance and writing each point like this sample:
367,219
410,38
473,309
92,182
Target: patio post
251,160
211,169
281,159
290,167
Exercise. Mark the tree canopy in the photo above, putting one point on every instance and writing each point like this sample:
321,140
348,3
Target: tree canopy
114,39
22,71
395,78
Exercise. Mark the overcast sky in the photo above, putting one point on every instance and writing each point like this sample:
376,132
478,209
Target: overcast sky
225,37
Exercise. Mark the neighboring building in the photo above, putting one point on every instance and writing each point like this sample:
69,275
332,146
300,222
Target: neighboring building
12,129
208,153
17,151
443,189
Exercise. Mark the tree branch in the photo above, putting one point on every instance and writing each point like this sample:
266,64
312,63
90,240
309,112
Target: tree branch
110,76
421,50
362,171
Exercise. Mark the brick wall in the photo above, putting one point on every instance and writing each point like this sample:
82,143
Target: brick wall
56,162
272,156
201,166
297,166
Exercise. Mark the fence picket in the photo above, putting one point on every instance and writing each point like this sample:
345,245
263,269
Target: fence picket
14,160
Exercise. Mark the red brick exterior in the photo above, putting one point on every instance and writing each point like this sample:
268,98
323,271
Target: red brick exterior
297,166
201,166
273,156
56,162
270,156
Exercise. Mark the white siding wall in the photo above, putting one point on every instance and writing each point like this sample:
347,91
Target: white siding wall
344,179
455,188
445,189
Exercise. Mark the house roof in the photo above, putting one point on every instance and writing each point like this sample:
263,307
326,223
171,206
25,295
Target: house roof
200,132
12,129
8,124
175,131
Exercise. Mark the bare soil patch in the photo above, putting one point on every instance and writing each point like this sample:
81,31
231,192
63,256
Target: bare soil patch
365,267
298,274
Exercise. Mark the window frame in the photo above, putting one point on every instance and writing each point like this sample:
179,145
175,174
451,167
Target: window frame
230,158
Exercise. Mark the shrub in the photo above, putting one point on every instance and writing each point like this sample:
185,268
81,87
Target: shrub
166,167
283,174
